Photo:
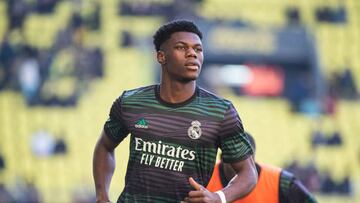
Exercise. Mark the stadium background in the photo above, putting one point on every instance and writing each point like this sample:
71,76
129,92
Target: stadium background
64,62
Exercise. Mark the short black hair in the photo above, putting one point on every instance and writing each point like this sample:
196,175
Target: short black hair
164,32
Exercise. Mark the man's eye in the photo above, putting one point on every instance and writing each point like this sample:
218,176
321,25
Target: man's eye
198,49
181,48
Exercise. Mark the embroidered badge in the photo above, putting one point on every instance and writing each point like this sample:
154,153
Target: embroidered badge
194,130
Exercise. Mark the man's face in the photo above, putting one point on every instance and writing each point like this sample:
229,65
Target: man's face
182,56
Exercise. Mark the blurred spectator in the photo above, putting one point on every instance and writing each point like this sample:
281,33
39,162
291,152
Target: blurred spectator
333,85
347,85
83,195
293,16
126,39
88,63
60,87
25,191
329,105
42,143
63,39
320,182
16,12
46,6
344,187
183,9
332,95
331,15
60,146
97,58
294,167
327,184
92,20
45,58
331,186
7,56
2,163
335,139
311,107
29,76
311,176
31,193
5,195
143,8
76,21
70,71
341,85
134,8
317,138
300,90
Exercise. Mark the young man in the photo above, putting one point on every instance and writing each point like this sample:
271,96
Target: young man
274,185
176,128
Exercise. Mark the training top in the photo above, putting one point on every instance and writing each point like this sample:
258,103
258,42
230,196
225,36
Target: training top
171,142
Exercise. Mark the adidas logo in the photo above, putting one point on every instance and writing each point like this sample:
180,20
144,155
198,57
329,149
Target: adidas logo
142,123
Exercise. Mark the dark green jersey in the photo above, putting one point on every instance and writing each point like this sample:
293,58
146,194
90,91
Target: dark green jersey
171,142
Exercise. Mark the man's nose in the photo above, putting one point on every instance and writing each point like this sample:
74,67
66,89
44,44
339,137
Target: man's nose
191,53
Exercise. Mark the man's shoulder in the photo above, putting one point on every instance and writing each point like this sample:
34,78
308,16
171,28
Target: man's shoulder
212,97
138,91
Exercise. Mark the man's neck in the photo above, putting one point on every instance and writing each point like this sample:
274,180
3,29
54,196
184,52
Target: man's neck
176,92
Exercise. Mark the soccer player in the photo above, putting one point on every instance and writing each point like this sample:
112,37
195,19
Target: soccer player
176,129
274,185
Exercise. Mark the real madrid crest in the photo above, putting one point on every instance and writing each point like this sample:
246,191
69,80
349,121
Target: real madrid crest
194,130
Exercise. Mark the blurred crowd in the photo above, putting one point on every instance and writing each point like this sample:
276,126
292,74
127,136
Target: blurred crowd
320,181
53,76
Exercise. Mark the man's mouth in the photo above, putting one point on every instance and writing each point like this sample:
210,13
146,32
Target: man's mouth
192,66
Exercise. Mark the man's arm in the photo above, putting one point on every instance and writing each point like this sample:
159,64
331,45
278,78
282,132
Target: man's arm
242,184
103,167
244,181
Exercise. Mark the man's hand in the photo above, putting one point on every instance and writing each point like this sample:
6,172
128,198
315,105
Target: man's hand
201,194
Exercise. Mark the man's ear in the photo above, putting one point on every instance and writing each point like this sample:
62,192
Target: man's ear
160,55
